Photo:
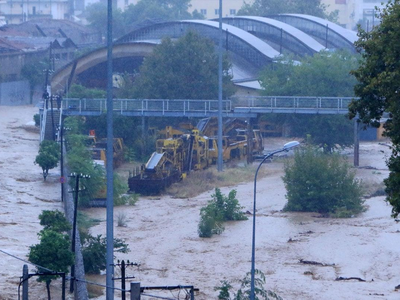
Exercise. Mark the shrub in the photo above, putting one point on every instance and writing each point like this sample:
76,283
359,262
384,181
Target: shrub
245,289
320,182
218,210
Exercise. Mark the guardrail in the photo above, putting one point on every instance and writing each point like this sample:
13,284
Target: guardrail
278,104
295,102
146,105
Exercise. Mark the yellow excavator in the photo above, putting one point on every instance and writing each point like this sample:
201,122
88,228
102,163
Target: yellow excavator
178,153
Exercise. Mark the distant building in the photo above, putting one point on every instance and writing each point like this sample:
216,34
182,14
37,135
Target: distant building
210,8
18,11
353,12
57,40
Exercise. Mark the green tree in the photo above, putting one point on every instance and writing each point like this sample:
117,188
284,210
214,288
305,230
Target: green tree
54,220
79,91
219,209
96,15
324,74
244,292
33,72
95,250
271,7
183,69
52,253
134,16
324,183
48,157
378,79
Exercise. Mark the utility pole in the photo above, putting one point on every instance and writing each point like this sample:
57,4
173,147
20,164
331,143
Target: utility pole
123,277
73,243
61,129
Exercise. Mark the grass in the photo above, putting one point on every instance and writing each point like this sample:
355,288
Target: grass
201,181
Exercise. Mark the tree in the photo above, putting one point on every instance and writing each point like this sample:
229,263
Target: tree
270,7
33,72
244,292
94,251
324,183
183,69
48,157
54,220
219,209
378,79
324,74
53,252
134,16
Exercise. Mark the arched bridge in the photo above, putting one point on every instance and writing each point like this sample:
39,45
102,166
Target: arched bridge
252,43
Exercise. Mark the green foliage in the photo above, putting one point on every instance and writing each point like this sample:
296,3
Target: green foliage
217,211
54,220
53,252
183,69
134,16
378,76
324,183
324,74
80,162
33,72
95,250
79,91
48,157
245,288
270,7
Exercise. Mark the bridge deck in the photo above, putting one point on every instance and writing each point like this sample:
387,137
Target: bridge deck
236,107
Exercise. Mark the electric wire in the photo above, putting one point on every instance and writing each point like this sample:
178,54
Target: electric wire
66,276
158,297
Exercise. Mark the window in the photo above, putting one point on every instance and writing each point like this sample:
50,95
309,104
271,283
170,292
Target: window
232,12
217,11
203,11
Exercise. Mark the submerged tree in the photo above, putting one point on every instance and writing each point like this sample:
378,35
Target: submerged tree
378,88
48,157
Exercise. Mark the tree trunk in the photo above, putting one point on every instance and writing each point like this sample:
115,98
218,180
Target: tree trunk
48,289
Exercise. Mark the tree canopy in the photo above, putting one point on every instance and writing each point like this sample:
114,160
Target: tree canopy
270,7
136,15
324,74
48,157
183,69
378,79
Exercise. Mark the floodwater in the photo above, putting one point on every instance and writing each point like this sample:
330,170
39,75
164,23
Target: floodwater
162,232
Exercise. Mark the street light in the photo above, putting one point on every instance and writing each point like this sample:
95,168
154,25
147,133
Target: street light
285,148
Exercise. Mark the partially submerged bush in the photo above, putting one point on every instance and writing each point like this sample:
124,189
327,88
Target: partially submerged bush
324,183
221,208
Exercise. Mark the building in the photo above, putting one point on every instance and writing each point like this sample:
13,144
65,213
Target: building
210,8
353,12
18,11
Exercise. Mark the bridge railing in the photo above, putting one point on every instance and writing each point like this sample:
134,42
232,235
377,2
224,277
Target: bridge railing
340,103
129,105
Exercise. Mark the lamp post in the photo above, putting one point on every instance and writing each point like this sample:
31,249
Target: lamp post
286,148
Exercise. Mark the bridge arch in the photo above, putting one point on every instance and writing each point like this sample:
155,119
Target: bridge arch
277,34
63,78
327,33
242,46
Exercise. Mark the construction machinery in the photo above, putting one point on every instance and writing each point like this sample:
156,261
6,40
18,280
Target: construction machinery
178,153
98,149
